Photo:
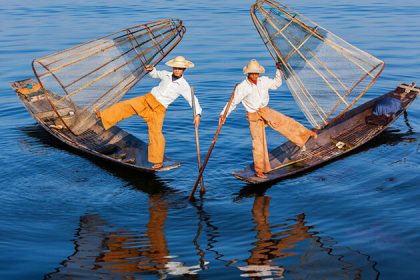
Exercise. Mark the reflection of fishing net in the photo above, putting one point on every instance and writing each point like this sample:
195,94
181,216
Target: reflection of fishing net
100,72
325,74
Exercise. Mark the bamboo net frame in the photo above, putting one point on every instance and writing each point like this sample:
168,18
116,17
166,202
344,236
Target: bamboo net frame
325,74
98,73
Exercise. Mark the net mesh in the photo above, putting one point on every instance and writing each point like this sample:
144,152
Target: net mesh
325,74
99,73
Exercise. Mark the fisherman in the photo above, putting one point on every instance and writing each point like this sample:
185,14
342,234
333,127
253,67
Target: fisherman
152,106
253,93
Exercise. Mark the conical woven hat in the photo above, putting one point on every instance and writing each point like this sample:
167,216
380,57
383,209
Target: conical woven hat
253,67
180,62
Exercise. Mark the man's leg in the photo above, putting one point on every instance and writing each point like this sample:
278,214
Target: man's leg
259,145
288,127
121,110
156,148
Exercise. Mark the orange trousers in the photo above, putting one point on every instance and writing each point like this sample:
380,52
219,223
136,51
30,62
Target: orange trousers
151,110
286,126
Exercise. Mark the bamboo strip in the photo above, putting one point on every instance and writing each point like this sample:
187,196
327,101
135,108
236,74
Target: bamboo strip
300,44
132,38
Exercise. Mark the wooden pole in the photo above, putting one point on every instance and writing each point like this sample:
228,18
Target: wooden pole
191,197
197,142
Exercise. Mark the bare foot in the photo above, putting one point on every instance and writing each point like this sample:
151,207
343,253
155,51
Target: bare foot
314,134
129,161
97,113
58,126
157,165
260,175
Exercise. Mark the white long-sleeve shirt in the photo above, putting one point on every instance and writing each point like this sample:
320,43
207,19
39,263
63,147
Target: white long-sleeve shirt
252,96
167,90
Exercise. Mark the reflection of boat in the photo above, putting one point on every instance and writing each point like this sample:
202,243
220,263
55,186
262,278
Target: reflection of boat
293,249
102,252
72,83
326,77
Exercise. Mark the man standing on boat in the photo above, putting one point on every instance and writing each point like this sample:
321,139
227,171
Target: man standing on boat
253,93
152,106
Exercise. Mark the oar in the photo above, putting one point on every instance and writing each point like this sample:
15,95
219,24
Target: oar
200,174
197,142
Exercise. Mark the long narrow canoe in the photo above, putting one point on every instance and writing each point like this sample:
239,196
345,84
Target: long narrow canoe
345,134
113,145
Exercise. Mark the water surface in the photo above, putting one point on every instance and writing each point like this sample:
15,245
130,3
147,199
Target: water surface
65,216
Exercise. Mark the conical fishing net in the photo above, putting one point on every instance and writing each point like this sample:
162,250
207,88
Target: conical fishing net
325,74
99,73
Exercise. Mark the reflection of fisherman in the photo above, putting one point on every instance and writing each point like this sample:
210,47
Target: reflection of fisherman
297,246
152,106
272,246
122,254
253,93
154,257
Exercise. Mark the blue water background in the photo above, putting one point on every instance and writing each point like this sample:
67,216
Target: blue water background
64,215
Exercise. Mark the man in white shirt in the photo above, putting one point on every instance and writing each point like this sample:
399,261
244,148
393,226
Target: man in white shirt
253,93
152,106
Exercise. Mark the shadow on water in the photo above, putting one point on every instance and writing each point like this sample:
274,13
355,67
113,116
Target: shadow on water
390,136
143,181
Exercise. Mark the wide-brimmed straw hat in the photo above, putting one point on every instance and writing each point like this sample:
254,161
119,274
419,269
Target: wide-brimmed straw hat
253,67
180,62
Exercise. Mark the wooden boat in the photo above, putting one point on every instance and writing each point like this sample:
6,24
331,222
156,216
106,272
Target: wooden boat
72,83
339,138
326,76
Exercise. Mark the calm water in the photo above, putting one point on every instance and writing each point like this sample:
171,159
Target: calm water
64,216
